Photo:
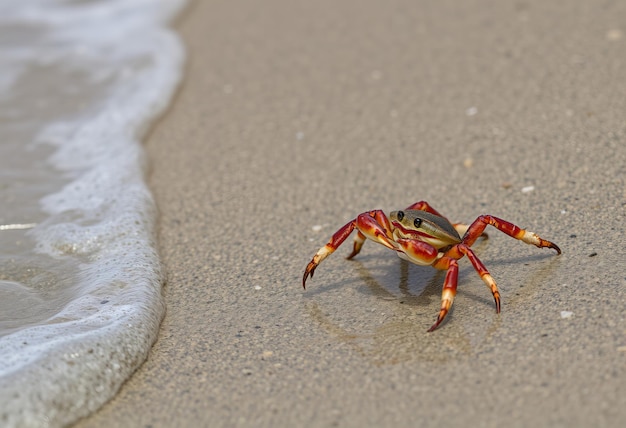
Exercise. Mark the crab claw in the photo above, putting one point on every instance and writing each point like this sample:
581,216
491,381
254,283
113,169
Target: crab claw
373,230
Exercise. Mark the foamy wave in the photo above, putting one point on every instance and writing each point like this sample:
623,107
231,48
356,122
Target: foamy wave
120,66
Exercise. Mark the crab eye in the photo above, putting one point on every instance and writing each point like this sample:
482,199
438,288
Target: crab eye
400,215
417,222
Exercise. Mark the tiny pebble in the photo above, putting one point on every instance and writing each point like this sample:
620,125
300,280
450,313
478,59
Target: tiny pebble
614,35
593,254
528,189
468,162
317,228
257,287
566,314
471,111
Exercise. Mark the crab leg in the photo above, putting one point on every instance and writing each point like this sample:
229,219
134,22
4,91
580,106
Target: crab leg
335,241
449,287
462,230
359,240
372,224
423,206
478,226
483,272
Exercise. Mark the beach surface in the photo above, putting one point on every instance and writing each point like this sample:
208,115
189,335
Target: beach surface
296,116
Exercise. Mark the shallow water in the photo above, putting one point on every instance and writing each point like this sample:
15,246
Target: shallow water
80,292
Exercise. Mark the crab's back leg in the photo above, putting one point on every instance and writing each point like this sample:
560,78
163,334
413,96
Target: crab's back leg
449,287
424,206
477,228
359,240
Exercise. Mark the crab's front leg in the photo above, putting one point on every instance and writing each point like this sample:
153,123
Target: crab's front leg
482,271
450,283
372,224
449,287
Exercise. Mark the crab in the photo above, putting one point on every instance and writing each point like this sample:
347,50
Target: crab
420,235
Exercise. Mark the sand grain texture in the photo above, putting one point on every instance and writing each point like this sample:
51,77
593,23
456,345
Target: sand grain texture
296,116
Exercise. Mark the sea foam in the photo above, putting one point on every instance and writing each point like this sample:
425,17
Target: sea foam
81,305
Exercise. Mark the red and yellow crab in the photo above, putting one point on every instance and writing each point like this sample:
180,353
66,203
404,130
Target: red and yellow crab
422,236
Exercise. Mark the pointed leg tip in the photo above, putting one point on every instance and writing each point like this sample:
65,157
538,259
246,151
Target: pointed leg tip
551,245
307,273
436,324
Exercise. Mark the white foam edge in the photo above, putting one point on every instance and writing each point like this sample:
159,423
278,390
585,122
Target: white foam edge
56,373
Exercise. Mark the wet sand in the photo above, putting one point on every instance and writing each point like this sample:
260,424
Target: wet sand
296,116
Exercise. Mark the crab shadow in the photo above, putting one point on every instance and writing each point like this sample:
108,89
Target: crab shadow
407,283
412,294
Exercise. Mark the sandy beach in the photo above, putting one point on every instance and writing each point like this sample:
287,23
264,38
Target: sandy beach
296,116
